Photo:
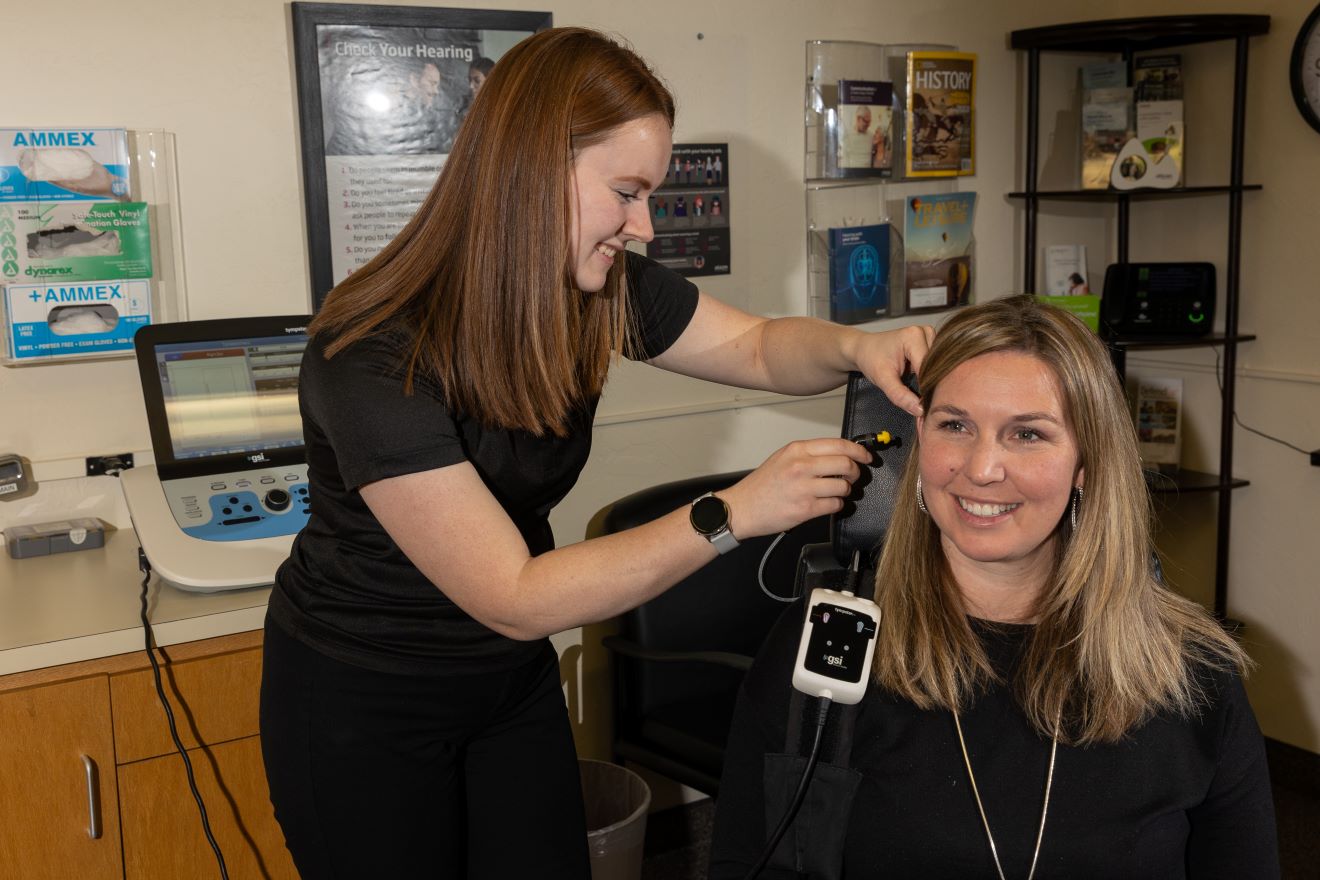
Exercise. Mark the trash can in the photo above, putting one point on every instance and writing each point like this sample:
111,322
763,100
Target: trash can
616,800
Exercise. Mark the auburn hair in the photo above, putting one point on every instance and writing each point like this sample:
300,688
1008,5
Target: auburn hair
1111,645
481,278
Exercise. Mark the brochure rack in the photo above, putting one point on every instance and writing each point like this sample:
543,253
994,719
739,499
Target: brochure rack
1124,38
838,195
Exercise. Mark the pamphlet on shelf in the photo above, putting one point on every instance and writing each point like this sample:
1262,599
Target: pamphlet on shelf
937,236
940,114
1160,136
1106,127
1158,78
1104,75
1065,270
864,143
1066,284
1159,422
859,272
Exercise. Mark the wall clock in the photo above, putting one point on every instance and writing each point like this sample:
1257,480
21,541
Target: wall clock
1304,70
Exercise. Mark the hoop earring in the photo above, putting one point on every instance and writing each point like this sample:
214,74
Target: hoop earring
921,499
1072,510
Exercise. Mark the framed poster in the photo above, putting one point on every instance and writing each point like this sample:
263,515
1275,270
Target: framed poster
382,91
690,211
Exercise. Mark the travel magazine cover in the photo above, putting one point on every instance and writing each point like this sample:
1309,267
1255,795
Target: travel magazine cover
937,234
941,97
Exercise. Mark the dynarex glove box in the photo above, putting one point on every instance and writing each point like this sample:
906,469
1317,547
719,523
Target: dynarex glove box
74,241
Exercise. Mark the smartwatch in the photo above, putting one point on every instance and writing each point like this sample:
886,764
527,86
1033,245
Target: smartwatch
710,518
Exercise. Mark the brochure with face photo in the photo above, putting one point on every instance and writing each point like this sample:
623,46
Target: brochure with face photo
864,137
859,273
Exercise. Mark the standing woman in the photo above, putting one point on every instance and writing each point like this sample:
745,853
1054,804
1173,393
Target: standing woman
412,719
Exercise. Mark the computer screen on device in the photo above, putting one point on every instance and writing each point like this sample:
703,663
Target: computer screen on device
231,395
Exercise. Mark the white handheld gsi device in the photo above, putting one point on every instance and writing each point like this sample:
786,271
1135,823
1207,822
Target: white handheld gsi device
838,643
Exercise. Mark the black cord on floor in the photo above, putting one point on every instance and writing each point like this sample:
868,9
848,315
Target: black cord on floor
145,567
822,713
1219,380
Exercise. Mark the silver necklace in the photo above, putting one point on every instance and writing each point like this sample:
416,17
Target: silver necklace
1044,807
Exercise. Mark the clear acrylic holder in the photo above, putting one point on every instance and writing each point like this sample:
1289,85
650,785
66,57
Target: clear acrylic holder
835,196
154,180
848,204
828,62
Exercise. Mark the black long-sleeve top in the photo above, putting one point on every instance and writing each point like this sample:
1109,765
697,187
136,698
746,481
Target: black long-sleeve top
1179,798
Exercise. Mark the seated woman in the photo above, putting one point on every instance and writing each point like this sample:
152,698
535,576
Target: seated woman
1040,704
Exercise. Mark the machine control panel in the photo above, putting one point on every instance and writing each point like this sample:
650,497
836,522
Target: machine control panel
241,505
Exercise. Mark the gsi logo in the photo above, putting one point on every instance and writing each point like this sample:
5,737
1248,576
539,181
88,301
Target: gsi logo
258,458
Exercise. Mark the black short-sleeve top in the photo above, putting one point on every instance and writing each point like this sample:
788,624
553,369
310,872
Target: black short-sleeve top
347,590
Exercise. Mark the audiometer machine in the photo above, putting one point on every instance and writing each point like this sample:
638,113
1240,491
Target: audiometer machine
228,492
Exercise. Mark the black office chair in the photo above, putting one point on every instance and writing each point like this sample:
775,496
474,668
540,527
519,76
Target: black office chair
680,658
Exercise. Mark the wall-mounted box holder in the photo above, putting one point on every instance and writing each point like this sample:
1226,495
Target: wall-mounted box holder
82,272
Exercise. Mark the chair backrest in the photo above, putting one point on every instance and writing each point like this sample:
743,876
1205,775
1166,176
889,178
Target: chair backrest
862,523
717,608
673,714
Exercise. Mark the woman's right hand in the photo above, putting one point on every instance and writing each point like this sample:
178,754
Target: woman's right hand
803,480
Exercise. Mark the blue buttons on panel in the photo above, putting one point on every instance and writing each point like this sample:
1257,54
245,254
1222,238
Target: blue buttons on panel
241,516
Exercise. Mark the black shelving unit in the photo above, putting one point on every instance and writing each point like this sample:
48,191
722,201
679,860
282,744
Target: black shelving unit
1128,37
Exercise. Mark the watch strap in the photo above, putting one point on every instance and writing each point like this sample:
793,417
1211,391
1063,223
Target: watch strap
723,541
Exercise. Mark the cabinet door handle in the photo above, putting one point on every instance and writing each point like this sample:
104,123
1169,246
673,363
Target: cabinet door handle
93,801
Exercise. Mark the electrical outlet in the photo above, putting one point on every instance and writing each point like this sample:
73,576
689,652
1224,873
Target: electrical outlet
108,464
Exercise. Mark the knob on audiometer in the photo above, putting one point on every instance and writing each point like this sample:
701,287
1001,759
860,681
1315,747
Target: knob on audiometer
277,500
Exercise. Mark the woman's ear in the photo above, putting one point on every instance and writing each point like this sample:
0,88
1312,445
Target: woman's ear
1080,481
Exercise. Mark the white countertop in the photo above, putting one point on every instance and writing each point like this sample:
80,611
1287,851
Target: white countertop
85,605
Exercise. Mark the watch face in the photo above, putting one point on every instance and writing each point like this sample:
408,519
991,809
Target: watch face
1305,69
709,515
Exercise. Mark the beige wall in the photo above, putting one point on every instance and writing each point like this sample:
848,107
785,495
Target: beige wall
219,76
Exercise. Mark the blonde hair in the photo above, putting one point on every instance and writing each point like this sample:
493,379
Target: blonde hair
1111,645
480,278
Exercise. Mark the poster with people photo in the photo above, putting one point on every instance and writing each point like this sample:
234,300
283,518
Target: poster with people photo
382,91
690,211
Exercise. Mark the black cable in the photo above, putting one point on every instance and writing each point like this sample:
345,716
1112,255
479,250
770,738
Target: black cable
822,712
145,567
1220,382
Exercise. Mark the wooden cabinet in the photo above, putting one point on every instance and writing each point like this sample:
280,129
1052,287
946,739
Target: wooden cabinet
163,834
214,700
53,823
109,711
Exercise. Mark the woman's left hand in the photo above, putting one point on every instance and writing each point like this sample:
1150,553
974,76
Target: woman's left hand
884,358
